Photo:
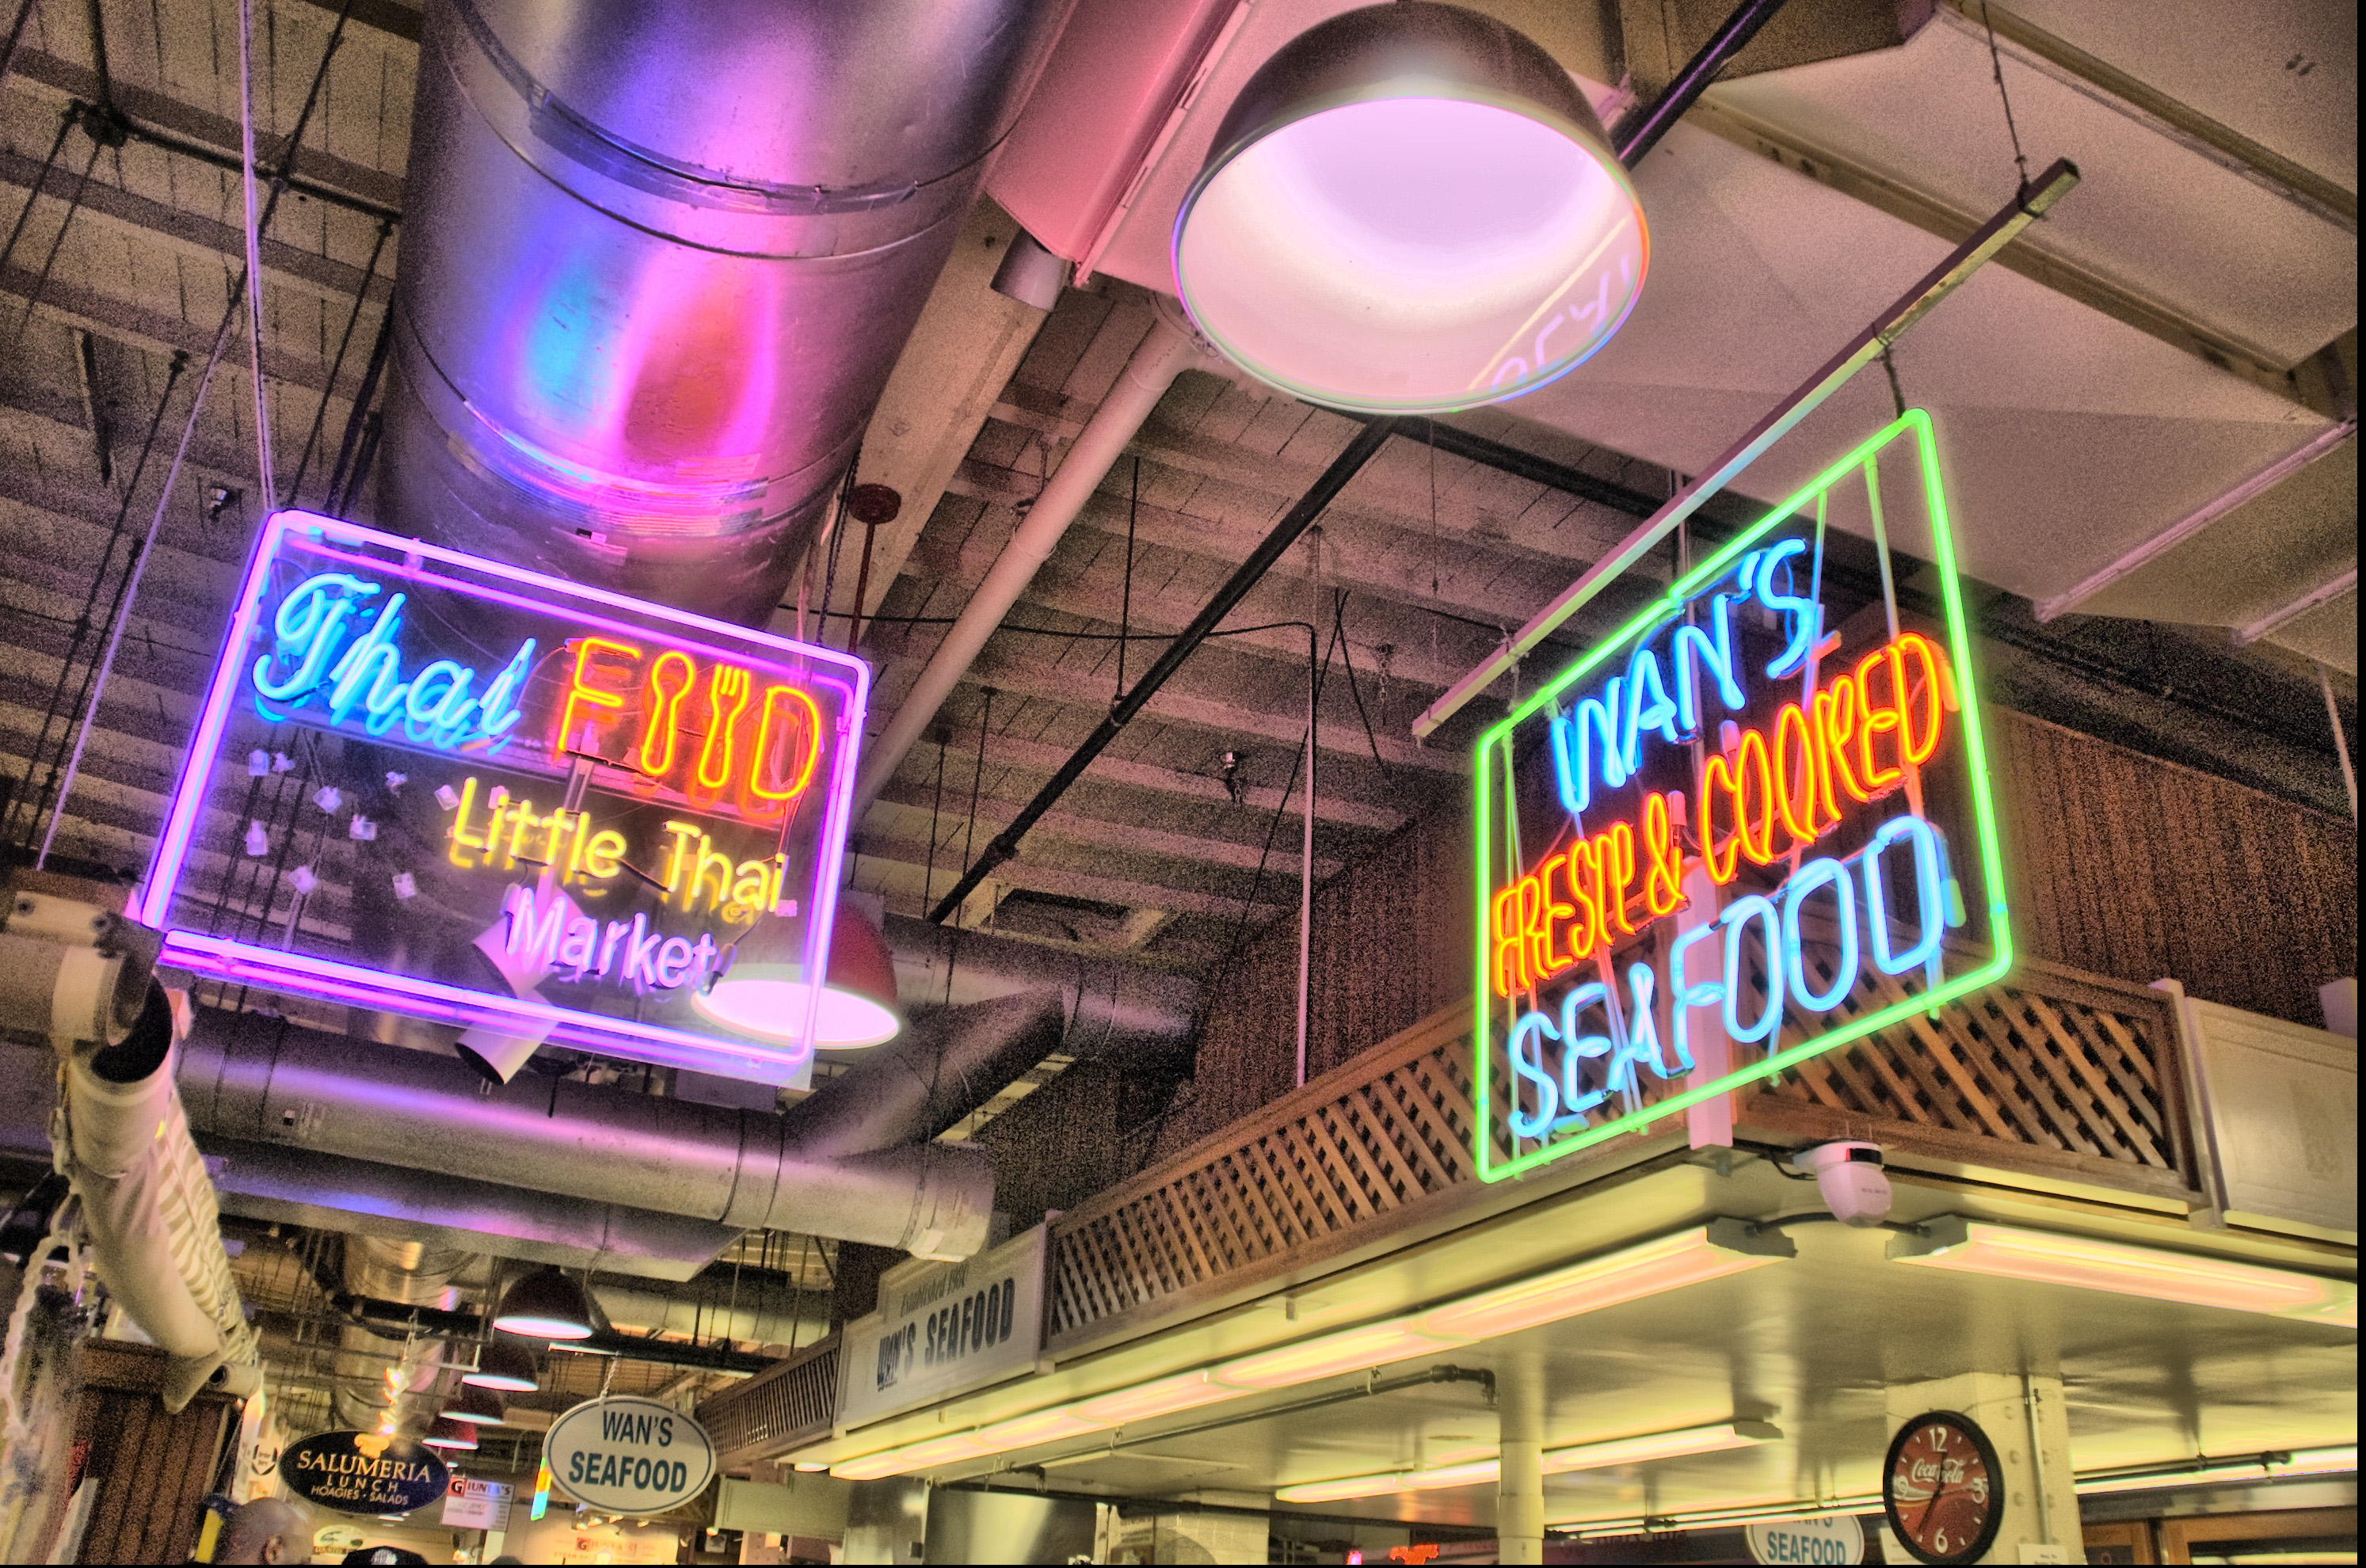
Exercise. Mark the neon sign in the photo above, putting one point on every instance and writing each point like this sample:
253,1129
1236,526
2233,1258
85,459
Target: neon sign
497,800
1732,836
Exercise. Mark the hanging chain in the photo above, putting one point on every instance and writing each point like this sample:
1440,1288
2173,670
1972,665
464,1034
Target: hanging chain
1996,65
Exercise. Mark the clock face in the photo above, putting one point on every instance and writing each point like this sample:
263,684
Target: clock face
1942,1488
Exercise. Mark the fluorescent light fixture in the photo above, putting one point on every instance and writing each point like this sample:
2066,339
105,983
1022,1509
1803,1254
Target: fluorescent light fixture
1691,1257
1975,1246
1185,1390
1595,1527
1713,1439
1041,1427
2270,1466
1639,1449
1351,1349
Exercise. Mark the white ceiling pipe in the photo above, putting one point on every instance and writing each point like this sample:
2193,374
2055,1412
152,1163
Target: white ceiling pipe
1165,354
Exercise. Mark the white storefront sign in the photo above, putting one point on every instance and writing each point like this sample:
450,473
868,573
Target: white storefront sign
628,1456
944,1329
1834,1538
478,1504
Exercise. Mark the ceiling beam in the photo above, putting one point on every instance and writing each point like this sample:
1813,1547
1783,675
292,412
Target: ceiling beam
1883,193
912,803
2275,620
2175,533
1225,721
1020,872
1368,555
159,334
187,233
318,174
1034,757
387,16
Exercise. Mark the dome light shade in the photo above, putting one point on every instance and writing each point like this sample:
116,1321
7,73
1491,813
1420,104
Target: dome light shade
504,1366
450,1435
763,993
545,1304
475,1403
1410,209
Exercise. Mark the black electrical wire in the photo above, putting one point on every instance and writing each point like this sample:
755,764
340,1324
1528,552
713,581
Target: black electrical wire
1348,652
337,364
40,182
81,623
57,242
1125,606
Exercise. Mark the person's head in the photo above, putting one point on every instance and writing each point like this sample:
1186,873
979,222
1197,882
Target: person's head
269,1530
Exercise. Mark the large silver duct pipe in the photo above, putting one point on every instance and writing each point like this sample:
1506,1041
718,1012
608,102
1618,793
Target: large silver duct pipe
416,1275
853,1161
658,259
1112,1003
265,1081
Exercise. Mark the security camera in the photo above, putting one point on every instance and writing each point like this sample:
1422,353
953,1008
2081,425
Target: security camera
1851,1179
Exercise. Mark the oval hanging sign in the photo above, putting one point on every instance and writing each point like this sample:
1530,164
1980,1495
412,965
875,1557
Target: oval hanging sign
628,1456
1831,1537
363,1473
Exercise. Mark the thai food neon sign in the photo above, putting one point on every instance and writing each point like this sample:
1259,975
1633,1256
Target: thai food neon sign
438,786
1733,835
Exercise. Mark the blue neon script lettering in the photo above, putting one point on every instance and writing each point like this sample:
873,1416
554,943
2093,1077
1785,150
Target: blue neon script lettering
1601,740
1855,895
363,681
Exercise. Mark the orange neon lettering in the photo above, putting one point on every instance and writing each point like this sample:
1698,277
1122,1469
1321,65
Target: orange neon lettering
1936,686
1546,962
1616,848
1836,710
1532,918
1875,718
601,703
1755,820
808,742
1510,968
1663,873
725,684
661,701
1583,865
1797,796
1718,777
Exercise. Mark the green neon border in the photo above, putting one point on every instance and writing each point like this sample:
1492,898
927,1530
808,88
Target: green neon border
1976,757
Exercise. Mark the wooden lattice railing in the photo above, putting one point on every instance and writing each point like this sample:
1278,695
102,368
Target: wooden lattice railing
2054,1072
787,1405
1344,1156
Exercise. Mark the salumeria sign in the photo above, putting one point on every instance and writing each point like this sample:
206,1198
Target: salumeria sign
1723,842
528,804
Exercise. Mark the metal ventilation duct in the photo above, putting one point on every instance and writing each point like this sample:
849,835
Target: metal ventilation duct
658,259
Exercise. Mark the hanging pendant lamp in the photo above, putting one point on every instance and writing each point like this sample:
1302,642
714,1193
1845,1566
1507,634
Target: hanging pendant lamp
505,1365
449,1435
475,1403
1410,209
764,991
545,1304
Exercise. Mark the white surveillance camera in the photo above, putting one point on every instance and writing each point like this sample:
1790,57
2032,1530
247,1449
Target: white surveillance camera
1850,1176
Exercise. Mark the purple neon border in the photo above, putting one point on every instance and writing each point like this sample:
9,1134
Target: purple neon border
332,980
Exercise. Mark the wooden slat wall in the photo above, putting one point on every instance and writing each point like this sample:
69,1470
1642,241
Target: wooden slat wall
1391,946
2122,865
151,1470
